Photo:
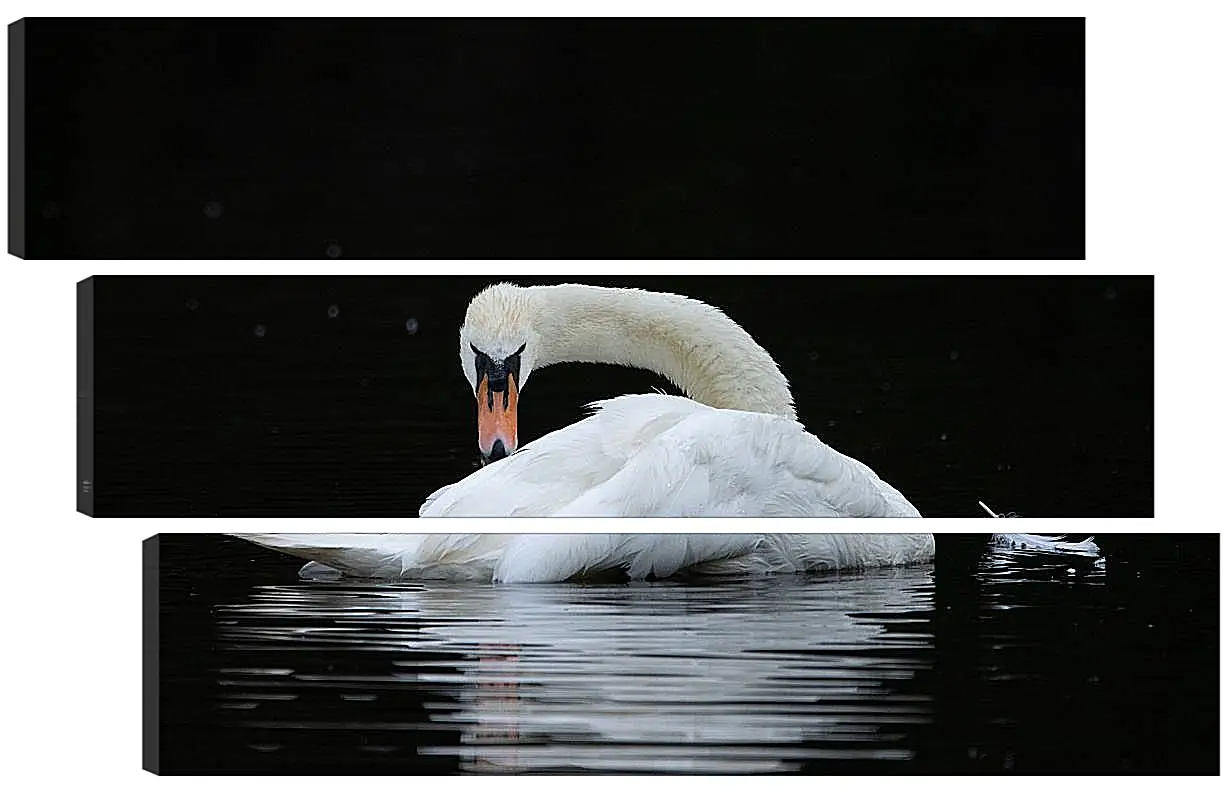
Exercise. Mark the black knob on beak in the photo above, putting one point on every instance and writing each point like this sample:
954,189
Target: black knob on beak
498,451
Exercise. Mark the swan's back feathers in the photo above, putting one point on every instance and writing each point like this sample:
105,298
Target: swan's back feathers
661,455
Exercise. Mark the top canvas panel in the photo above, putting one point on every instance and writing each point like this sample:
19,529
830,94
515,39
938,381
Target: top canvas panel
426,138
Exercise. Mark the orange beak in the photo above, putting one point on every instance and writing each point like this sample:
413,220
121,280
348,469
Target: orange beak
497,419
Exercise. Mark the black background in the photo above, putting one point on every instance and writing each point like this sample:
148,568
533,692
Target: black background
1157,640
1032,394
555,138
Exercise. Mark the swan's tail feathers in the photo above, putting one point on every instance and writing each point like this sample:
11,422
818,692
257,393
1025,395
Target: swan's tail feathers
457,556
358,554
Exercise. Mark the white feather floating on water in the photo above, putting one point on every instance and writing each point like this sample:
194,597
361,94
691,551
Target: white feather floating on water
1043,544
1048,544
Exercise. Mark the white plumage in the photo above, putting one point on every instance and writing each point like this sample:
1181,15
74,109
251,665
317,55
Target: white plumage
550,558
666,456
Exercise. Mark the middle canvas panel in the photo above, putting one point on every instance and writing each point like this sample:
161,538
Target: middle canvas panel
712,396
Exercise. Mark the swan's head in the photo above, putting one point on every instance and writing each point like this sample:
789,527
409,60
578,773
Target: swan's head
498,348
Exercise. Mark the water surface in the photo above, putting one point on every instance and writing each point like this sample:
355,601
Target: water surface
1015,664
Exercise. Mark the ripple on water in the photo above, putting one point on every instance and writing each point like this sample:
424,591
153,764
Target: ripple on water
753,676
772,675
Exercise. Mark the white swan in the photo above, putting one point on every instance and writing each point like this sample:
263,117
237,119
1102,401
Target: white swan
734,449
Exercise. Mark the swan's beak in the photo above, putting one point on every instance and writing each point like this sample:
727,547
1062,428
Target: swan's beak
497,418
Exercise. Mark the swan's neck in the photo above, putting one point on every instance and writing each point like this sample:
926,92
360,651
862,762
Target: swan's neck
694,345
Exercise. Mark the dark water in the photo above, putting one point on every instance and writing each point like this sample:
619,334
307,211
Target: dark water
987,661
338,396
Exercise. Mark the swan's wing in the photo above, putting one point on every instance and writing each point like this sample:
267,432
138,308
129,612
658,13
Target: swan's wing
717,462
660,455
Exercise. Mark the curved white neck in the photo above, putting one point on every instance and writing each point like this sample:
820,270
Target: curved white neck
694,345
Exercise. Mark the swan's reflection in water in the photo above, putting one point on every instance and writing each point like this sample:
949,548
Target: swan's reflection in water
757,676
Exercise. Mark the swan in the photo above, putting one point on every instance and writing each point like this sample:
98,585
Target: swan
732,447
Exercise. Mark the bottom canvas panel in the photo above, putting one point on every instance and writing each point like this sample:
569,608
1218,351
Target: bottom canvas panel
363,653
